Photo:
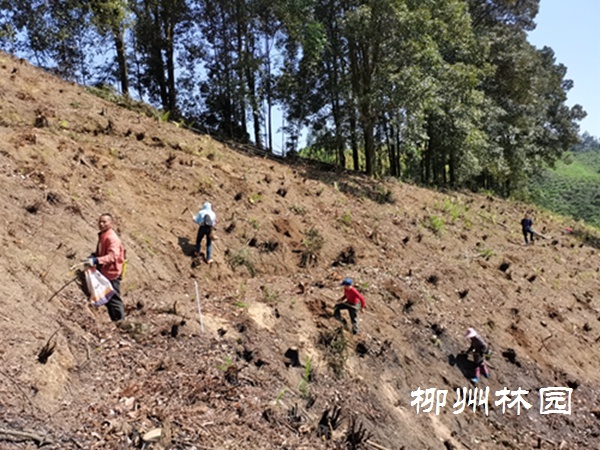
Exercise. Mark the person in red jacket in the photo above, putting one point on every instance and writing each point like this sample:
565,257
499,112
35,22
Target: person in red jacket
353,301
109,258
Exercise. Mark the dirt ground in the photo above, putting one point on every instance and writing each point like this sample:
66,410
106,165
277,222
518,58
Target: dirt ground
270,368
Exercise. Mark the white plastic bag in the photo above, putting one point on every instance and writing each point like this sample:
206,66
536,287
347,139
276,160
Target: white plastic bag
100,289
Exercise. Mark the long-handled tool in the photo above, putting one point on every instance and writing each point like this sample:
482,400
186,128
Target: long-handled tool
62,287
199,310
188,209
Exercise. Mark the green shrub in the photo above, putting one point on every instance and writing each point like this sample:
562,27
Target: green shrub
313,243
384,195
346,219
241,258
435,224
334,344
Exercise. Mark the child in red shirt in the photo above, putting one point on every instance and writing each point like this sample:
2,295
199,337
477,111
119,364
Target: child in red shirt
354,302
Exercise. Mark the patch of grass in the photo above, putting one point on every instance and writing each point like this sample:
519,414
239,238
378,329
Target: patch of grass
205,185
307,376
313,243
298,209
143,241
254,223
255,198
453,208
109,93
164,117
280,396
334,344
489,217
270,295
468,223
486,253
363,287
384,195
241,258
435,224
346,218
588,236
241,305
225,366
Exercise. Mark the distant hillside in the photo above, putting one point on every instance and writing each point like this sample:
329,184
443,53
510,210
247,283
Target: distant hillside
572,187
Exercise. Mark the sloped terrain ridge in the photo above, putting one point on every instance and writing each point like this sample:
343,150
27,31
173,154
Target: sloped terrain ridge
269,368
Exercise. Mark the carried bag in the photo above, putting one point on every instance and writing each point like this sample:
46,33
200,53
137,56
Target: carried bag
99,287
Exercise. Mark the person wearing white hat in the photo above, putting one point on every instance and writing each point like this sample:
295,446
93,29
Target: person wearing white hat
479,349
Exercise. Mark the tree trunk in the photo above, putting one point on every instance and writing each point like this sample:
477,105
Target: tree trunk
388,130
368,128
172,94
157,63
354,142
251,81
121,60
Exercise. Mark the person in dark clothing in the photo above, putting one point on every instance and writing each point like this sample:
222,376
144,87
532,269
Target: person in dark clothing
109,258
526,225
353,301
479,349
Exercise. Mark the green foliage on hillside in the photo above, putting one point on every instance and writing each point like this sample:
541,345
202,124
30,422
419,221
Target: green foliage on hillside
572,188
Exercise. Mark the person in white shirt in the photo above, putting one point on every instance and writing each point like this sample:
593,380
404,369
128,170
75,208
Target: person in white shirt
206,219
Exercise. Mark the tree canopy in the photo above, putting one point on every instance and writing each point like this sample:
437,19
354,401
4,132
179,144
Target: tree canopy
438,92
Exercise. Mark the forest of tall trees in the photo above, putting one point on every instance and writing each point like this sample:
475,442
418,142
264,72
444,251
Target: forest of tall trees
438,92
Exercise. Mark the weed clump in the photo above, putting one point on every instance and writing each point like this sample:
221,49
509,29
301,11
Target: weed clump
241,258
383,196
313,243
435,224
334,344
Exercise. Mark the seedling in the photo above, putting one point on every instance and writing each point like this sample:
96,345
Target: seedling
225,366
255,198
346,219
313,243
304,385
435,224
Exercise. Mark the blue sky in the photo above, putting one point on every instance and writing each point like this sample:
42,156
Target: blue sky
572,29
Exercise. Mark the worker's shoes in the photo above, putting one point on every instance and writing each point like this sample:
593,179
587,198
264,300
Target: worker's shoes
474,380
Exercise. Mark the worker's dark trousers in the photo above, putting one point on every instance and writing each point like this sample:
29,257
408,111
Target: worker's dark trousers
116,309
352,310
526,233
204,230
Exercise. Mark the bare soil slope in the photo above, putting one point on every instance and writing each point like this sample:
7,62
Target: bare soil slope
430,264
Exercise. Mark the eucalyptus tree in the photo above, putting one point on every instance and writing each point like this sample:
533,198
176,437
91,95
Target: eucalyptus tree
112,17
54,34
299,82
370,29
158,26
530,124
453,102
221,25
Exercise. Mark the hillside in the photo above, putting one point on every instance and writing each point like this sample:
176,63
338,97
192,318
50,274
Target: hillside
430,265
572,189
